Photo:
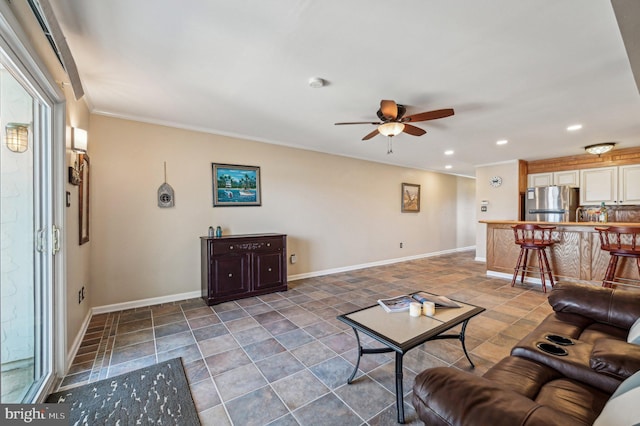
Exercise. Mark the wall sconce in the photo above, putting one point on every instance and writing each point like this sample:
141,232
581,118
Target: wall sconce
79,144
17,137
600,148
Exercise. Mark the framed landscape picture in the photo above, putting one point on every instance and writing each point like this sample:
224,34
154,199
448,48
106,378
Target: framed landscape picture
410,198
235,185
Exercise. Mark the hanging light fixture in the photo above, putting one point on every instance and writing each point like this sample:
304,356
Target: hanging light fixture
599,148
391,129
17,137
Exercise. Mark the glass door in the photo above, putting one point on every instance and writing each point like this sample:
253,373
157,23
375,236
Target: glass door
21,273
32,145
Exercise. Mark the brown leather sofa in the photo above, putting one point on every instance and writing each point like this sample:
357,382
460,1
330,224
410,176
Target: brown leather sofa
533,387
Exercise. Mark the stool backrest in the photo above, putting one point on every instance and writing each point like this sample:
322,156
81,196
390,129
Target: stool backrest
625,238
529,233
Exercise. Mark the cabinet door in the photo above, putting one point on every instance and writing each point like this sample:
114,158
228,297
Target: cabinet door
267,270
629,184
598,185
230,274
568,177
540,179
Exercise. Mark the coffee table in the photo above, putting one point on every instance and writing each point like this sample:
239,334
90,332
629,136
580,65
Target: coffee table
400,332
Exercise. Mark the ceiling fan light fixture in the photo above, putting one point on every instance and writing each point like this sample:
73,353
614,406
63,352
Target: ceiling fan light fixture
391,129
600,148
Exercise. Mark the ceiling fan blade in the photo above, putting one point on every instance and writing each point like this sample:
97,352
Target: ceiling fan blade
370,135
413,130
429,115
389,109
358,122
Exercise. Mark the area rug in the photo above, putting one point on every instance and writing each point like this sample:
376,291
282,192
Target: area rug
154,395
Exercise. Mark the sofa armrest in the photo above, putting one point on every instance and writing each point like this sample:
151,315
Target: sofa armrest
447,396
615,358
616,307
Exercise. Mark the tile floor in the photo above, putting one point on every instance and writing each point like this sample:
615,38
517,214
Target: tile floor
283,358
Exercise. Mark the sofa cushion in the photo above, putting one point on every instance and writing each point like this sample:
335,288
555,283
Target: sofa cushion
616,307
576,365
579,327
622,408
615,358
634,333
447,396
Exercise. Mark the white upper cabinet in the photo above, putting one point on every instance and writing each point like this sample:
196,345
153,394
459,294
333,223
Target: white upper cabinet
569,177
613,185
540,179
599,185
629,184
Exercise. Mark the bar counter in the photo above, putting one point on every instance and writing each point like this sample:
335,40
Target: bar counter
575,255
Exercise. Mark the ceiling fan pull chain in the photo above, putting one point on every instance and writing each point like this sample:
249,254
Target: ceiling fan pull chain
389,145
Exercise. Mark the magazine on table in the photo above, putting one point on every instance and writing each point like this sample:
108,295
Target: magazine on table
401,303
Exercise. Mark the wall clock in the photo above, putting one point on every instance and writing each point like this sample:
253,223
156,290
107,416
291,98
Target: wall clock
495,181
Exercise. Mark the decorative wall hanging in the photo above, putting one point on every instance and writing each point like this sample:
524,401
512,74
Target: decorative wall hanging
166,196
236,185
410,198
83,198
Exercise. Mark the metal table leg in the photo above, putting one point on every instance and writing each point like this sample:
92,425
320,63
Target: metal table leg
399,391
464,348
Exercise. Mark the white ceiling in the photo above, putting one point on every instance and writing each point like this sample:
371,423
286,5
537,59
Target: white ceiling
517,70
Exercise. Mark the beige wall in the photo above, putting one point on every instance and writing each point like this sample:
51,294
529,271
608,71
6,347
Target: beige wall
503,200
337,212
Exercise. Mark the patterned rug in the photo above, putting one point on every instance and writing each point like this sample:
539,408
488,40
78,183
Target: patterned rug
154,395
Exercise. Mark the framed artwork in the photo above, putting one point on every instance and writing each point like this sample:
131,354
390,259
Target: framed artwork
236,185
410,198
83,198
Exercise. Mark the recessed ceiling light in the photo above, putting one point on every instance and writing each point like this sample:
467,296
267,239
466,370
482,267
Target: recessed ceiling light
317,82
574,127
448,152
502,142
448,166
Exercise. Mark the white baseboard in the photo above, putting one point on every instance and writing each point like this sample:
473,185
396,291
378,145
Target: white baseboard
527,280
145,302
481,259
378,263
73,350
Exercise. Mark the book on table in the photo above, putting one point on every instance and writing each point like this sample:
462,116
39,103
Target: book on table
401,303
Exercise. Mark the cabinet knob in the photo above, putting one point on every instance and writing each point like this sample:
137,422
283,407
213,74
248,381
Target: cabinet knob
269,269
230,275
230,247
268,244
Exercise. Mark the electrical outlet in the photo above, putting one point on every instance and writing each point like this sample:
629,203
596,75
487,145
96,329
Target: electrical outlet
401,245
293,258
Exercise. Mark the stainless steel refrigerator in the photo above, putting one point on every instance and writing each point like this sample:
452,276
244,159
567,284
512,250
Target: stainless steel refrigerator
552,204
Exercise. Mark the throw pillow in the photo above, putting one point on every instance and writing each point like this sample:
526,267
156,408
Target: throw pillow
634,333
622,408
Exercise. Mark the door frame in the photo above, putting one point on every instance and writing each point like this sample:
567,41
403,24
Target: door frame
37,80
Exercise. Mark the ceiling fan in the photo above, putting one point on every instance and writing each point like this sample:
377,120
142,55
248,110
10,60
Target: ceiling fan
393,121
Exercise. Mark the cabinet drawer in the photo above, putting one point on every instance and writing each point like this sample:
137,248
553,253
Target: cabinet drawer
230,246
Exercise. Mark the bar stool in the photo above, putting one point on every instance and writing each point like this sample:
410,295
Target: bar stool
619,241
533,237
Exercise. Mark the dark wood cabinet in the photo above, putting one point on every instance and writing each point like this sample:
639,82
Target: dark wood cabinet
237,266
